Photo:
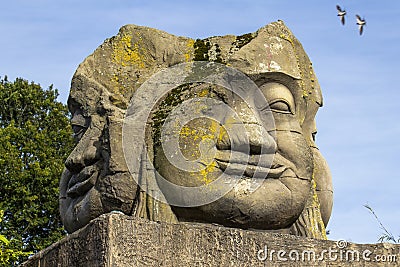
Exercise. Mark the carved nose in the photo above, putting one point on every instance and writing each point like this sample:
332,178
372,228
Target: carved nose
245,132
249,138
86,152
80,158
260,141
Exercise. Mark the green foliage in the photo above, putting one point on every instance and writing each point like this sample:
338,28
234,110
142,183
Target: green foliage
7,254
35,139
386,236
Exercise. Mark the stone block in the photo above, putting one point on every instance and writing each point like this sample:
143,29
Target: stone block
118,240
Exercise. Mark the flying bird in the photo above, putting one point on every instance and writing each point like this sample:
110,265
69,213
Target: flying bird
341,13
361,23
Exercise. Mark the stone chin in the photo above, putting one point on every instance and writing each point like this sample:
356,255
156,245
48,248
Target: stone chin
78,206
276,204
77,211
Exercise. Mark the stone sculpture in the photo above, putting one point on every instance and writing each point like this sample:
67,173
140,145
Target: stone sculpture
294,188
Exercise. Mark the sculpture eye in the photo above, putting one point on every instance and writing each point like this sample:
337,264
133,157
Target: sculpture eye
279,98
78,131
79,125
281,106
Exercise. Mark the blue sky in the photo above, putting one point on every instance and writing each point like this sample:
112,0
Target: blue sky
359,129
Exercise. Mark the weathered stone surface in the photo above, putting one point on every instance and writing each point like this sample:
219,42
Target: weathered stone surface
278,89
119,240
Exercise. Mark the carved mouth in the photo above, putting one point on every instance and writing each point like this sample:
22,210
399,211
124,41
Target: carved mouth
82,182
255,166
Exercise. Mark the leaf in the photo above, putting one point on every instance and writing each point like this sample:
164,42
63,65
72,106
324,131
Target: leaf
4,240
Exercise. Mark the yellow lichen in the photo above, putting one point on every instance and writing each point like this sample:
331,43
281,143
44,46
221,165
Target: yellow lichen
205,173
302,84
188,132
125,53
195,137
287,38
318,226
200,133
115,78
190,50
203,93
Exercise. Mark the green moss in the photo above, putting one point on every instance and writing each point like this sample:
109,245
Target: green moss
201,49
218,54
173,99
243,40
205,51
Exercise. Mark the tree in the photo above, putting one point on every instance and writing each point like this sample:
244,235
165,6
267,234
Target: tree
35,140
9,255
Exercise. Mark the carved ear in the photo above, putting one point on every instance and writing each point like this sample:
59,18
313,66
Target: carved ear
318,209
324,188
309,223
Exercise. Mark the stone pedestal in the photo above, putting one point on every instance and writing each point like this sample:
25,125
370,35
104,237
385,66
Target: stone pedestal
119,240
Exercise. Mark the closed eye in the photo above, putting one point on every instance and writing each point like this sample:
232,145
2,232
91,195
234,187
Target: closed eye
281,106
279,97
79,125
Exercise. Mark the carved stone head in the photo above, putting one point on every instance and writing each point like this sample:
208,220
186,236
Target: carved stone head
238,150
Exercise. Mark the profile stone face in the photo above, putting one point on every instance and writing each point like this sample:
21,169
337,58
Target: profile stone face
219,130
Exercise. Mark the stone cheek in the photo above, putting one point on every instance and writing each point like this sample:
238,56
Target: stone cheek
117,159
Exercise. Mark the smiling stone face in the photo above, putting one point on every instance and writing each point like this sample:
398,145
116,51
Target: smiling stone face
239,146
260,143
